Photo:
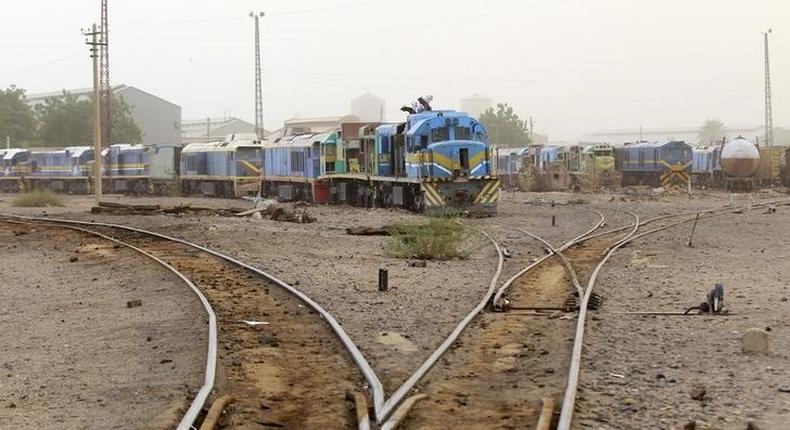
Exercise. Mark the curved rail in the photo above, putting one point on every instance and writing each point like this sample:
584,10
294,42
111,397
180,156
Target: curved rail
552,251
371,377
402,391
199,401
569,398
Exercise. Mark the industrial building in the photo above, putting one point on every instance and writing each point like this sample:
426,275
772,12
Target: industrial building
213,129
755,133
158,119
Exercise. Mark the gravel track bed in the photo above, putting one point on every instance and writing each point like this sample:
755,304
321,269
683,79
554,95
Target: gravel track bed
640,371
395,330
72,355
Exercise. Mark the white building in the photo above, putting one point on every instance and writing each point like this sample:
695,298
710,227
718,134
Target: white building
476,104
368,107
158,119
214,129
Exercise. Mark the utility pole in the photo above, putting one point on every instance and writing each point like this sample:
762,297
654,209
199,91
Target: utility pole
95,45
104,78
208,129
258,89
531,134
769,120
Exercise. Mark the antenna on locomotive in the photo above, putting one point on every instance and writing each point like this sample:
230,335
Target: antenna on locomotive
425,102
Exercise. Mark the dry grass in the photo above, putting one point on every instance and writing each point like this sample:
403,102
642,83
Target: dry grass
37,199
438,239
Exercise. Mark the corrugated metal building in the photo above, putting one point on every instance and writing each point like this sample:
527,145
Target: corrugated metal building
212,129
158,119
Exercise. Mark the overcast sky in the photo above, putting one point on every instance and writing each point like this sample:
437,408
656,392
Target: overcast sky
575,65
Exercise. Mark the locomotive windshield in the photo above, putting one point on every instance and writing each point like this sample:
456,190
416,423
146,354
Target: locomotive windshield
463,133
440,134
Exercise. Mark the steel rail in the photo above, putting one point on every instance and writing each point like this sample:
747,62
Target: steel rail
370,376
578,341
402,391
569,398
199,401
552,251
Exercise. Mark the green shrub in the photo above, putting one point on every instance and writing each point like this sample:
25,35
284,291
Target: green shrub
438,239
37,199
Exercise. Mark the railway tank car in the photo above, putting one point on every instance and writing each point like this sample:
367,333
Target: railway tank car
739,160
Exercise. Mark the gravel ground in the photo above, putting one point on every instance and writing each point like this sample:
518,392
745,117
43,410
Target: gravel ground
396,330
640,371
72,355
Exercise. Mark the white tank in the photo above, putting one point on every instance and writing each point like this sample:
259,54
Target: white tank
739,158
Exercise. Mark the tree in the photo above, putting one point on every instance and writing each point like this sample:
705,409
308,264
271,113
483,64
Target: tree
124,129
16,117
711,132
67,120
505,128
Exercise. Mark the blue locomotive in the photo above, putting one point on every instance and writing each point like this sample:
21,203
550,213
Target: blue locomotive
653,163
445,155
230,168
433,160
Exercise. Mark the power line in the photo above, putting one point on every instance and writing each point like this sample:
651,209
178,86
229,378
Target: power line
48,63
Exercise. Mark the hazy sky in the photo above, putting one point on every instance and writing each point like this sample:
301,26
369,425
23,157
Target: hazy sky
575,65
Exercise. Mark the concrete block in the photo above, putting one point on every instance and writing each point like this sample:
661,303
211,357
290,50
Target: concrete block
755,341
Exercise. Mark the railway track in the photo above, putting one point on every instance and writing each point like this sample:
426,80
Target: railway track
522,356
511,369
291,372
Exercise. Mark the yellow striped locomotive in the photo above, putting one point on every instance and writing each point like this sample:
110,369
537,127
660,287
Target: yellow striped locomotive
446,155
435,160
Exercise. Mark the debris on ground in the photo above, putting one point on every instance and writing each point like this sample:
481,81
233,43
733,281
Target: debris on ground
111,208
266,208
368,231
134,303
698,392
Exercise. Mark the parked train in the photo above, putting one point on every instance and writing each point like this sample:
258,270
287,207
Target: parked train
740,164
126,168
654,163
433,160
556,168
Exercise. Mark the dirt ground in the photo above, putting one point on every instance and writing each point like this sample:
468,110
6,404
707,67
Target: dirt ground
640,371
398,329
72,355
